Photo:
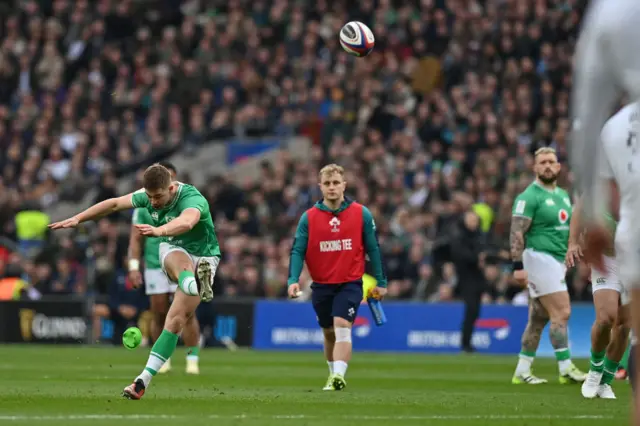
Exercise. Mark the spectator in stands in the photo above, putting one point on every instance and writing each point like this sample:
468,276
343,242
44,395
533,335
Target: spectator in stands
92,91
124,306
468,251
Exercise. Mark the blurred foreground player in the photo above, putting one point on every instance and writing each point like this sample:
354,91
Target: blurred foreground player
189,248
610,330
333,238
157,285
606,65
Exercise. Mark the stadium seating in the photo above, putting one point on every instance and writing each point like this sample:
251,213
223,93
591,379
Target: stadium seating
442,117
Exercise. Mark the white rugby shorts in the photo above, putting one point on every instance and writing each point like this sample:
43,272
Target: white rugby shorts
609,280
157,282
546,273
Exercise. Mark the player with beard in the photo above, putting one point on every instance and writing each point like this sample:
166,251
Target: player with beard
539,241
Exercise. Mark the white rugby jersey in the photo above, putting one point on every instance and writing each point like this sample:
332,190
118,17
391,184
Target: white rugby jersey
619,158
607,64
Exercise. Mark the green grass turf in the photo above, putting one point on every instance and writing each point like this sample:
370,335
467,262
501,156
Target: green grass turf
54,385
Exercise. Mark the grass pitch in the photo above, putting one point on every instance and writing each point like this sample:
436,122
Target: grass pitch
73,386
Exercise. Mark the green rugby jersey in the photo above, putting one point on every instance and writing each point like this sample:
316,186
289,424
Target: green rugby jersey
550,212
201,240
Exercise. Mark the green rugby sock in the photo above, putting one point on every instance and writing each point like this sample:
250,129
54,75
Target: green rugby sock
624,362
193,351
597,361
609,372
187,283
161,351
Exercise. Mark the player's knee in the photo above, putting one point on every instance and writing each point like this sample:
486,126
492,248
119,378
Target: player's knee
341,322
343,334
561,315
606,317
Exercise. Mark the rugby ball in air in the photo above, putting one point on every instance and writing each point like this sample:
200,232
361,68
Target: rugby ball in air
357,39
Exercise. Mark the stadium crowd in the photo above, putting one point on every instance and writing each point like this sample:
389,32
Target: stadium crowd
442,118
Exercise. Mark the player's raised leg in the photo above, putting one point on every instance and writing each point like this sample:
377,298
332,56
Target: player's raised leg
179,267
605,301
538,319
558,305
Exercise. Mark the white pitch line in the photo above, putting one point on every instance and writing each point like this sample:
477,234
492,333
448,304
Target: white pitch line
299,417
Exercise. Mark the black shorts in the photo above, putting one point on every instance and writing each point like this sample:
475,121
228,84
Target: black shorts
336,300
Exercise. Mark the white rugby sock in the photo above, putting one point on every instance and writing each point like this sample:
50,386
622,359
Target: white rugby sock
340,367
524,365
330,364
564,365
146,377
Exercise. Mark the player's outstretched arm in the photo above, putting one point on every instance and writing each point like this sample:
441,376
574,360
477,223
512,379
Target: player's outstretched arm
103,208
372,248
298,250
183,223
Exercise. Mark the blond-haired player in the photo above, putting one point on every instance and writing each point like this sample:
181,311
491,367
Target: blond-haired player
333,238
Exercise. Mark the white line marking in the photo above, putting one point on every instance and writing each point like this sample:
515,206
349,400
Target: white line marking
299,417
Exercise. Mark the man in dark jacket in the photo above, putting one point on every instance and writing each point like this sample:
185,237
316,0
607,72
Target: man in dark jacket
467,253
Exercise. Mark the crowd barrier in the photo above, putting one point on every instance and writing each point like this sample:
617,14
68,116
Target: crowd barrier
284,325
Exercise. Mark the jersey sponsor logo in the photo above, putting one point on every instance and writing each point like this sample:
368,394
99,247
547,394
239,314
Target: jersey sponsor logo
169,218
336,245
600,280
520,205
563,216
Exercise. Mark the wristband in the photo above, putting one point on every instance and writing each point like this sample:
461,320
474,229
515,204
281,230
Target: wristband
517,265
134,265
